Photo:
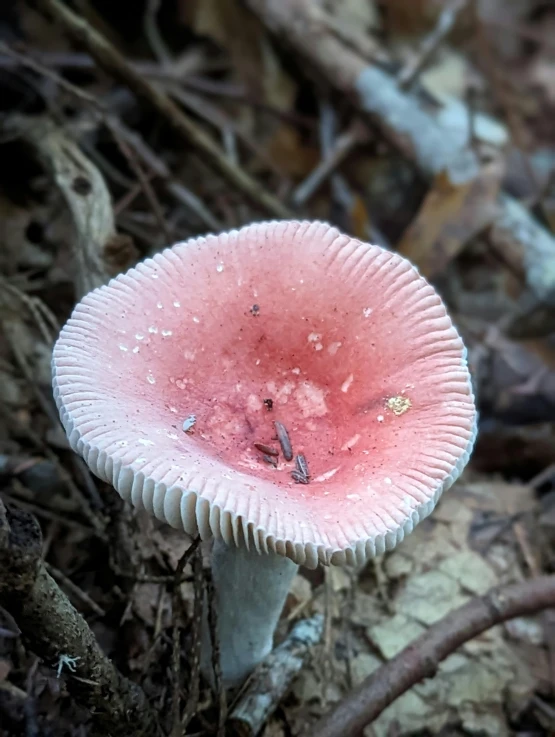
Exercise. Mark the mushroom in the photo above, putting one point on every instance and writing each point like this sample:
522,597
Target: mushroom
364,370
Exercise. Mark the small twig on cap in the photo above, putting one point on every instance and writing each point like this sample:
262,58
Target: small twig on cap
267,449
301,473
302,465
284,441
421,658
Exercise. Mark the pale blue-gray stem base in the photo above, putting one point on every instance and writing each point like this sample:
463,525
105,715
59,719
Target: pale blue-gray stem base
250,592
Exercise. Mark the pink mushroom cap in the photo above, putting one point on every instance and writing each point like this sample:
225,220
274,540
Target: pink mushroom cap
355,349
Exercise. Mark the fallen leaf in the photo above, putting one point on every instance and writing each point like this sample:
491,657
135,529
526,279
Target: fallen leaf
450,216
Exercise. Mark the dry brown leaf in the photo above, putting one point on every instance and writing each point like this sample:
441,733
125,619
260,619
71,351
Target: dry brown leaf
360,218
287,149
450,216
403,18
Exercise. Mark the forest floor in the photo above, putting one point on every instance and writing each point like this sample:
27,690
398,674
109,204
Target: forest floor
215,114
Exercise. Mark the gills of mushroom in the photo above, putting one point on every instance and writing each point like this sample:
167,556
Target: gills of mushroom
177,381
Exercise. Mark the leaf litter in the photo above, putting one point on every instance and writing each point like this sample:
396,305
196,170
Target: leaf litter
491,91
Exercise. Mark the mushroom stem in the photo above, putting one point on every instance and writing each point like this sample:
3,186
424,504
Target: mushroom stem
250,593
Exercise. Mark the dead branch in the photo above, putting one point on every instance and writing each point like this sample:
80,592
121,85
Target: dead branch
109,59
86,194
421,659
56,632
404,121
267,685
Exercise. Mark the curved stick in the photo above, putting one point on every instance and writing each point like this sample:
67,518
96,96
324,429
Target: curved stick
421,659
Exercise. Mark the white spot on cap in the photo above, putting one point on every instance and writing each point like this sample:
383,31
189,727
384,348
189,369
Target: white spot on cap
144,441
346,385
254,403
196,319
380,418
123,348
311,400
174,410
284,392
136,349
177,304
150,378
296,370
325,476
139,336
153,329
219,268
367,311
318,347
159,305
314,337
353,497
166,333
351,442
257,362
189,355
172,436
388,481
334,347
154,276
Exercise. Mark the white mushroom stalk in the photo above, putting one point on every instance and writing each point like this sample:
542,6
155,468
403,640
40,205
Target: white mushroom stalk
251,590
282,384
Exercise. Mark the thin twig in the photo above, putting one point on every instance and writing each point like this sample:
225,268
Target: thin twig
219,690
422,657
445,23
271,679
46,322
109,58
196,641
159,167
74,590
343,145
152,32
133,162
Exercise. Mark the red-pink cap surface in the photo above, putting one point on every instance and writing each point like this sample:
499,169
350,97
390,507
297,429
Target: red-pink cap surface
353,347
